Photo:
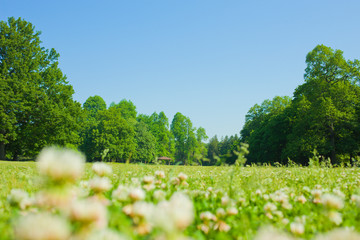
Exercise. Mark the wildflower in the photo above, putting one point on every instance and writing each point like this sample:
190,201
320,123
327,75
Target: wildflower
204,228
100,184
335,217
160,174
121,193
175,214
297,228
220,213
88,211
148,179
339,233
182,176
143,209
332,201
175,181
269,233
60,165
41,226
101,169
225,200
356,199
19,198
137,194
159,195
301,199
105,234
222,226
207,216
269,207
232,211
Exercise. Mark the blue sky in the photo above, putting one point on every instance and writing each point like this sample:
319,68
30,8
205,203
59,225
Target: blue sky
209,60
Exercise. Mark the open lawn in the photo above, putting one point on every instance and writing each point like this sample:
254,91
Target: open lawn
218,202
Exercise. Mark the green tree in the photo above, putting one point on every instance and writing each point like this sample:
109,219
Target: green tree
158,125
265,130
213,151
325,108
127,109
115,134
92,107
145,144
184,135
36,100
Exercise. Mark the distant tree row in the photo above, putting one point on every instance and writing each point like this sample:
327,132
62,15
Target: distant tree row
119,134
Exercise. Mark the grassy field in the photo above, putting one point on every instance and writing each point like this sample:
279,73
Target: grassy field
214,202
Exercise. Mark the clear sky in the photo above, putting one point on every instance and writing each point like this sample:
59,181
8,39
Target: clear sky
210,60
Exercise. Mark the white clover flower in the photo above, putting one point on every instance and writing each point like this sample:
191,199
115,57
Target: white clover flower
335,217
160,174
60,164
225,200
143,209
301,199
339,193
100,184
332,201
220,213
89,211
121,193
159,195
356,199
137,194
222,226
182,210
339,233
101,169
316,193
232,211
182,176
270,233
105,234
19,198
175,214
41,226
270,207
297,228
207,216
148,179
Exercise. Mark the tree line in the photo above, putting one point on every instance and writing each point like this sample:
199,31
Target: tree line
37,109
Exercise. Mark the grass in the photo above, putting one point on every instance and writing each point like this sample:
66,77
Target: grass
248,189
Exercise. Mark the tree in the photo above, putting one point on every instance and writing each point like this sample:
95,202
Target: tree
158,125
92,107
36,102
127,109
185,140
145,144
265,130
213,150
325,108
116,135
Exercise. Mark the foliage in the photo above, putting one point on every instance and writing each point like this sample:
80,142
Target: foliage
36,102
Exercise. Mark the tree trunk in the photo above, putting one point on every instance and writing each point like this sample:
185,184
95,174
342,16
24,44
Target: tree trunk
2,151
